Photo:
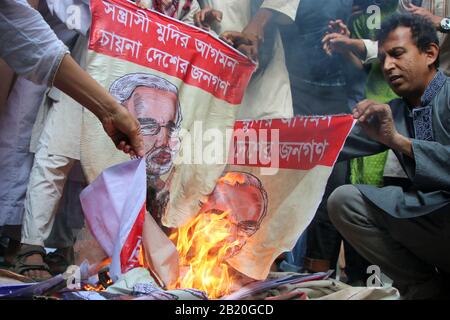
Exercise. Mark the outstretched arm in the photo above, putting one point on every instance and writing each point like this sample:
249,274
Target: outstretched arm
118,123
35,52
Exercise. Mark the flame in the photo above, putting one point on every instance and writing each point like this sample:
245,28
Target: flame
141,256
233,178
203,244
99,287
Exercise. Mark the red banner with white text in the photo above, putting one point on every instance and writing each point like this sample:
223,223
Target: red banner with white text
153,40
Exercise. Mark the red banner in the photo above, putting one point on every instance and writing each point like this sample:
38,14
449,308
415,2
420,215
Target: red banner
298,143
132,248
145,37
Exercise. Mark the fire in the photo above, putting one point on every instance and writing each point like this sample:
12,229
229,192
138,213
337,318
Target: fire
141,256
104,279
203,245
233,178
99,287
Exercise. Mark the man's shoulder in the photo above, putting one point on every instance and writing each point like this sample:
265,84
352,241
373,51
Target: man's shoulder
444,92
444,96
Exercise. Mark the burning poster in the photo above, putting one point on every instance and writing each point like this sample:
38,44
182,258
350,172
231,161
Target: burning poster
174,78
114,207
184,87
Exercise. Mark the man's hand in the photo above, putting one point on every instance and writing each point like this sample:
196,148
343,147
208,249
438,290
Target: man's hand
124,131
119,124
337,40
336,43
235,39
249,40
378,123
206,17
425,13
245,43
338,26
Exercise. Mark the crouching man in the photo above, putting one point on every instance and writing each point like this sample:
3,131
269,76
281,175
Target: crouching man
406,232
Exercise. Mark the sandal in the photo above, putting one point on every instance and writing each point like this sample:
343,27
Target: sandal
20,266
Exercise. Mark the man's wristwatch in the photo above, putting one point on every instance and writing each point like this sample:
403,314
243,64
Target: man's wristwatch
445,25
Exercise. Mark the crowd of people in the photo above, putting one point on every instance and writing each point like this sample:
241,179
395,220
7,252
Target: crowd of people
387,202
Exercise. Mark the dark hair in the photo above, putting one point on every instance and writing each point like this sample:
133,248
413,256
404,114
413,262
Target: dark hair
422,29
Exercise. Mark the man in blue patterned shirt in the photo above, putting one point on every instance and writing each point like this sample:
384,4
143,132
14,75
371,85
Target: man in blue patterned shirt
405,231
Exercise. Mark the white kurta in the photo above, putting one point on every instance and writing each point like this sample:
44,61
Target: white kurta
55,140
16,123
268,95
64,122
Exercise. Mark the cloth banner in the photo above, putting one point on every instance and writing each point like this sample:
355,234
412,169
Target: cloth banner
172,77
270,208
181,82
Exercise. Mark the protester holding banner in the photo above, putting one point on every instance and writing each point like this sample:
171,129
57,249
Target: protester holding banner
56,142
45,61
49,64
268,95
25,95
19,137
404,231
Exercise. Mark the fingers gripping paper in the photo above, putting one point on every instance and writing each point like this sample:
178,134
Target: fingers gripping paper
171,77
